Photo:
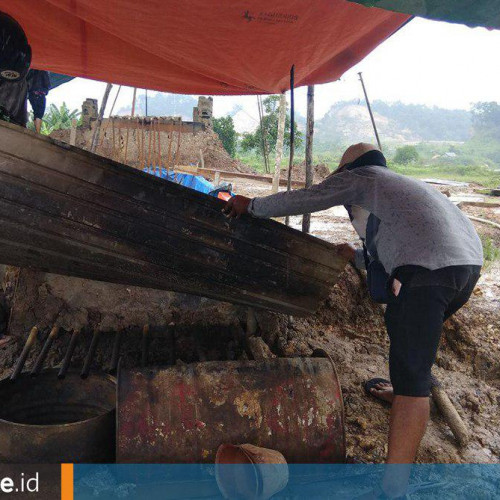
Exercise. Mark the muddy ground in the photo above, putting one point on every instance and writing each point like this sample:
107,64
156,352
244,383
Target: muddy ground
349,326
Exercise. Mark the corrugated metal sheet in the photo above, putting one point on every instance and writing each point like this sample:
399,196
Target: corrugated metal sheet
64,210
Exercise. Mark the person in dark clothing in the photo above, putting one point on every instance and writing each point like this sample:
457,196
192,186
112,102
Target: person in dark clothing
15,60
38,88
13,102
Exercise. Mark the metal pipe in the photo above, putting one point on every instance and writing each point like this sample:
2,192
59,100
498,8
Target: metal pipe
45,350
370,110
24,354
145,346
90,355
69,353
115,357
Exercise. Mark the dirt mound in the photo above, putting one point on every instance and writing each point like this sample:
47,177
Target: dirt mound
320,172
192,146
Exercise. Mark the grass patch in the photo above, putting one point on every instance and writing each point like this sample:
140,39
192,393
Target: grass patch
491,251
477,174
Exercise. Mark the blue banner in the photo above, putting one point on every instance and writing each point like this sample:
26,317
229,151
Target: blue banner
158,481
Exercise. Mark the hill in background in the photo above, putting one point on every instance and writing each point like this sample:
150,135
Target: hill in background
349,121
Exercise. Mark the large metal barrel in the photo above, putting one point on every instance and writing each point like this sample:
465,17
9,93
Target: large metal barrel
47,420
182,414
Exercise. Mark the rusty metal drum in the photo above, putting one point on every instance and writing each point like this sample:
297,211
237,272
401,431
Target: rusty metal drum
182,414
47,420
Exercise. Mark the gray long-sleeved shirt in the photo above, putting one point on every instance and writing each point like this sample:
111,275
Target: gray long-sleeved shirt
418,224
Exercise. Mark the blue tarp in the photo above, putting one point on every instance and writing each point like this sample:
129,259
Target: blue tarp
57,79
196,182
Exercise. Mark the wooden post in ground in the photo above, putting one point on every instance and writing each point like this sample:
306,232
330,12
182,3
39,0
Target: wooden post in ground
95,137
202,160
128,127
169,151
279,142
306,218
72,134
263,138
292,134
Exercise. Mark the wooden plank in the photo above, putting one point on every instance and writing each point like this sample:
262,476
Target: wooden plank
68,211
244,175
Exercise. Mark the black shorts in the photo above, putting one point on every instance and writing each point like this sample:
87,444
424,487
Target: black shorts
38,102
414,321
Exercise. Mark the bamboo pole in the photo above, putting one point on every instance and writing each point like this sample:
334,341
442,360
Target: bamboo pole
149,145
159,148
169,152
142,159
153,156
279,142
263,138
306,218
178,152
131,116
113,150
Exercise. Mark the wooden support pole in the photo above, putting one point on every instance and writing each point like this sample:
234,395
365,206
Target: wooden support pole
149,144
306,218
131,115
72,134
263,134
178,152
159,147
370,110
279,142
292,134
95,137
153,156
169,152
142,158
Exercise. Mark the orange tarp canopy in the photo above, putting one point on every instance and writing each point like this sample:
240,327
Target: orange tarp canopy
212,47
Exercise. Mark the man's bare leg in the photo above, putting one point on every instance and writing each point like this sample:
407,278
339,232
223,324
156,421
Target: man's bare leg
409,417
38,125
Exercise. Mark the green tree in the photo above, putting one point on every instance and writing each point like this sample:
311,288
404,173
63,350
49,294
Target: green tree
56,119
486,116
485,142
406,155
253,141
224,127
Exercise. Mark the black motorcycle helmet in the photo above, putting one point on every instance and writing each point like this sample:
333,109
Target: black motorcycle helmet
15,51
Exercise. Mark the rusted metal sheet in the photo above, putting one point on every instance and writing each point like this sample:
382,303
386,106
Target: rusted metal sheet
64,210
183,414
47,420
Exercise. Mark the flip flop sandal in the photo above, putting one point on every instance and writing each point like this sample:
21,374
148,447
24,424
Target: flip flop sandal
370,384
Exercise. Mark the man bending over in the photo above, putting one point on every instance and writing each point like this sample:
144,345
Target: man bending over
423,258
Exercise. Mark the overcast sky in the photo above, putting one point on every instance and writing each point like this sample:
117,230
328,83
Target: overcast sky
426,62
